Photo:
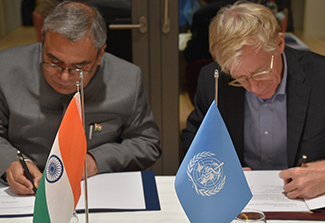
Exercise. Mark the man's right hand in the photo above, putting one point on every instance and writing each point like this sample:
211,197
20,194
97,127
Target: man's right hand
18,181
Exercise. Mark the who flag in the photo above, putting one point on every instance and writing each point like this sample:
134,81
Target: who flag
59,190
210,183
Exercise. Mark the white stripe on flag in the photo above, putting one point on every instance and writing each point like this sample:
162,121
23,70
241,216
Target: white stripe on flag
65,197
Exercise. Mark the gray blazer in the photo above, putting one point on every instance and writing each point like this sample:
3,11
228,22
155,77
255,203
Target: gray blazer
305,107
31,112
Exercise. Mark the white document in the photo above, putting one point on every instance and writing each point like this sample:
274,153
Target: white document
268,194
114,191
12,204
315,203
118,191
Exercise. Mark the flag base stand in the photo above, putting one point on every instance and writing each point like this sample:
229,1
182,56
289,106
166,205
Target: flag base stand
74,218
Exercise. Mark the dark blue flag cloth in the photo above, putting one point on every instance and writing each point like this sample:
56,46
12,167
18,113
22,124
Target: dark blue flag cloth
210,183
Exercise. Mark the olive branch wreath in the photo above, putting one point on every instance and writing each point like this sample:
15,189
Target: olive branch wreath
190,166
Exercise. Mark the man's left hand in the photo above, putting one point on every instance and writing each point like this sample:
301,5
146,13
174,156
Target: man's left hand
92,169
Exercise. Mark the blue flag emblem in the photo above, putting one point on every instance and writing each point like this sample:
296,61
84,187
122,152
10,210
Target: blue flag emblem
210,183
206,174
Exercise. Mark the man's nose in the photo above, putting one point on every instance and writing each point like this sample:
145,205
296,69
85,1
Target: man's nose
65,75
253,85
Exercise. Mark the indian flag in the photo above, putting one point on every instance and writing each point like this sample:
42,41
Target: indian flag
59,190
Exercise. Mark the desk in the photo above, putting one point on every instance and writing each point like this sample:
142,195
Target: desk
171,210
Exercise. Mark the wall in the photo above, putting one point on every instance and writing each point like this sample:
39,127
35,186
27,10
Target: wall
314,18
10,15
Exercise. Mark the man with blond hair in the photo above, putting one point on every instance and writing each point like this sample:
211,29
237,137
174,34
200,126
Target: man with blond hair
270,97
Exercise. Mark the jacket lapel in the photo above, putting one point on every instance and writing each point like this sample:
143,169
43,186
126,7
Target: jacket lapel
298,92
235,106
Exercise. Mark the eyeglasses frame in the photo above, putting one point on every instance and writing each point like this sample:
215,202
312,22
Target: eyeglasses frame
236,82
70,69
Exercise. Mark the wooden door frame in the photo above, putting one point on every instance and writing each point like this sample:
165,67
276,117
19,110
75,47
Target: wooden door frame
157,55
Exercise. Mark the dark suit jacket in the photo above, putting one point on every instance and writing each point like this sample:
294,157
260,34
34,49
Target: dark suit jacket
305,106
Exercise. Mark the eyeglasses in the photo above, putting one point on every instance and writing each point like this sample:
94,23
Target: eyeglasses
54,68
243,81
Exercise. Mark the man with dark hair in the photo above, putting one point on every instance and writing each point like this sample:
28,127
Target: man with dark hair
38,81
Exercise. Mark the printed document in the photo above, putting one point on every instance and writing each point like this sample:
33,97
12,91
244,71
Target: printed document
12,204
269,196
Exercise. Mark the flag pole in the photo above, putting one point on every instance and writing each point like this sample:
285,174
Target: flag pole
216,77
82,101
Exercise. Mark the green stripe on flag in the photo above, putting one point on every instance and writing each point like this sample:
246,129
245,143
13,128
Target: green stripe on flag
41,213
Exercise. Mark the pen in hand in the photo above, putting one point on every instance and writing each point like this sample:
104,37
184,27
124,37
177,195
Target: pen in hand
302,161
23,164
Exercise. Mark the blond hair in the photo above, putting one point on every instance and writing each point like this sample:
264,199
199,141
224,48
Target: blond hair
239,25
